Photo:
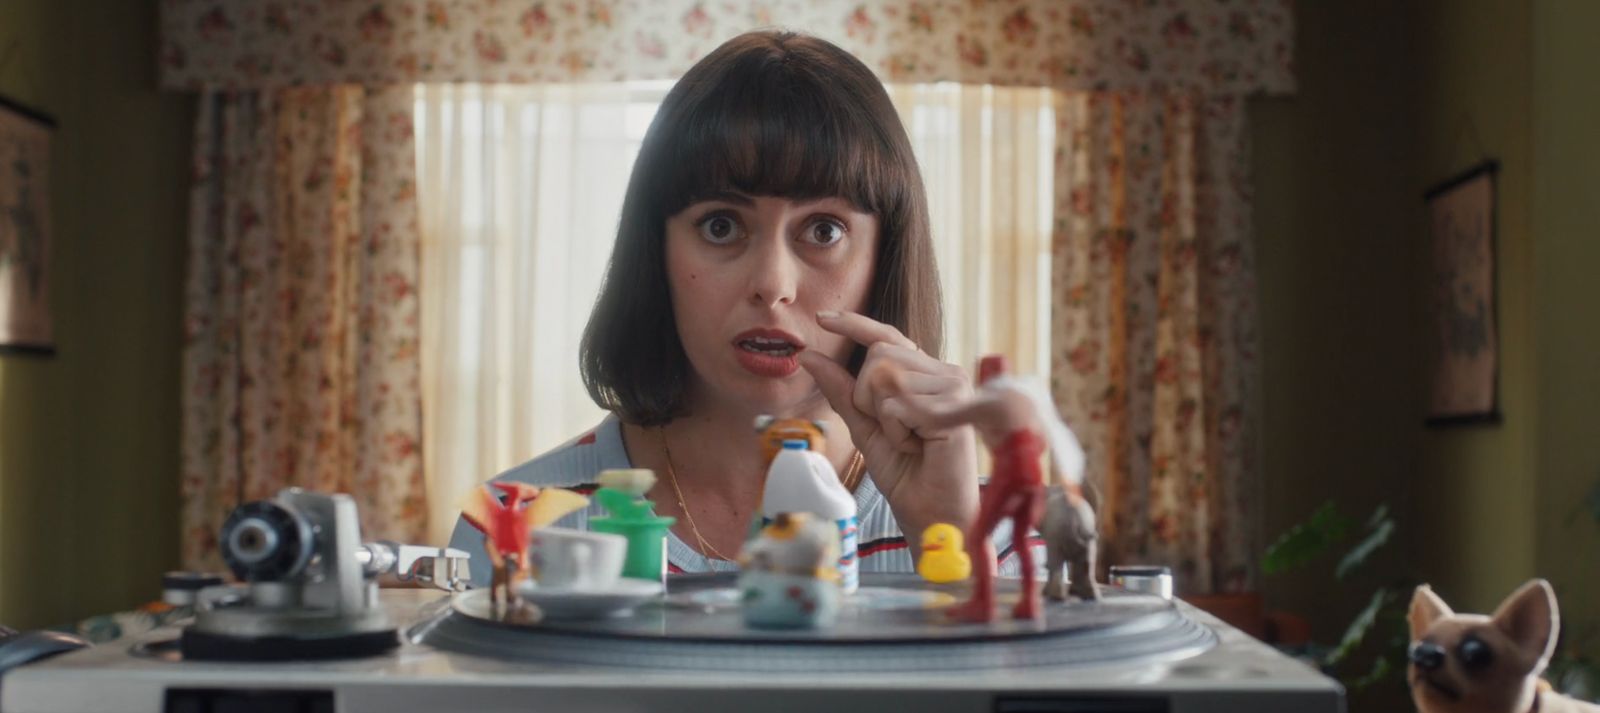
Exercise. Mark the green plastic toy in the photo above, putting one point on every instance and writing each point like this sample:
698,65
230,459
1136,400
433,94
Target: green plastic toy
622,493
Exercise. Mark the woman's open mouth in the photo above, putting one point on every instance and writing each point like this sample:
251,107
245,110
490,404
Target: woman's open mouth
774,347
768,352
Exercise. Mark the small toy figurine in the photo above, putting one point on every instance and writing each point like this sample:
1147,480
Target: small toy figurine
1470,663
506,521
1014,419
943,559
774,431
1068,528
802,480
788,576
622,494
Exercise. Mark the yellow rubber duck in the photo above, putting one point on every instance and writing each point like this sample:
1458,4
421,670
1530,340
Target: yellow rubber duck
944,559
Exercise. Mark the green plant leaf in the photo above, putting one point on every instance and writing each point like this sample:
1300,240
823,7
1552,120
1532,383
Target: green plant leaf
1377,537
1359,627
1381,668
1379,516
1306,540
1575,676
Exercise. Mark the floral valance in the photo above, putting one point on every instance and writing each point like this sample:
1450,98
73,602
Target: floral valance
1214,46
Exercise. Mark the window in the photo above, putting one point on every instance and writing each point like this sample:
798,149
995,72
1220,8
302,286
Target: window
520,188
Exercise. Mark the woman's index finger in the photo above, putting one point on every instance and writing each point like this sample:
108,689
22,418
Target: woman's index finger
864,330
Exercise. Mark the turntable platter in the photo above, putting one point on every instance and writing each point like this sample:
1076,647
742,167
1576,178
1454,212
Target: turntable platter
895,623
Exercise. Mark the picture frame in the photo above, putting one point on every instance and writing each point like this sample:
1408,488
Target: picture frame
25,319
1463,334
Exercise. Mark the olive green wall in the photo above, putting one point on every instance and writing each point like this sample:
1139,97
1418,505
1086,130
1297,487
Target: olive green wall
1336,201
1566,295
88,438
1515,81
1394,98
1475,518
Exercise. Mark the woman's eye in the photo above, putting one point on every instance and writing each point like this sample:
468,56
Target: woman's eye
825,232
719,229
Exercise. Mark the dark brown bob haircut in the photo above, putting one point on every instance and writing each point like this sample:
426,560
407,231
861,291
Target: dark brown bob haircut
765,114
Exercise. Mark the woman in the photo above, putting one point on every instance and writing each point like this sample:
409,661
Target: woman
772,257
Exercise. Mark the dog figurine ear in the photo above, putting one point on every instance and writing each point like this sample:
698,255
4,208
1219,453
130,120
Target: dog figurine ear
763,421
1426,608
1529,617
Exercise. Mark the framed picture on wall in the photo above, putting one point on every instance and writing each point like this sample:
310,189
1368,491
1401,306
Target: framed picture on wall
1463,329
24,229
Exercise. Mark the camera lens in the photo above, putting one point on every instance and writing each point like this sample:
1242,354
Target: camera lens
265,541
253,540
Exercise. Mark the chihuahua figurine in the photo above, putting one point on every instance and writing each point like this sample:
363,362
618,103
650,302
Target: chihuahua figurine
1470,663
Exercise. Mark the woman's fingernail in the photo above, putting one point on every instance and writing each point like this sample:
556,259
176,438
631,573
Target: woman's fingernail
827,314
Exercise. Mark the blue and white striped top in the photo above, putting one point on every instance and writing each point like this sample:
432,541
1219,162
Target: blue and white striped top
576,465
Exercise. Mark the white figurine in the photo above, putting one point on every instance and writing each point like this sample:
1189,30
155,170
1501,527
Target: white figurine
788,578
802,480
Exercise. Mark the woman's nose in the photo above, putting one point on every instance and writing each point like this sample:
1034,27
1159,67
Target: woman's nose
774,272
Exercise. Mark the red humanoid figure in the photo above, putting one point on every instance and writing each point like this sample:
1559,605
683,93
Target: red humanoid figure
1017,423
506,522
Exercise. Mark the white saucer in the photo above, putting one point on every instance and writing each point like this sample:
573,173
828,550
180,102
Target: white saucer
589,603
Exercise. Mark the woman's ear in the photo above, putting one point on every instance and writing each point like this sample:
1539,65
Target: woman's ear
1530,618
1426,608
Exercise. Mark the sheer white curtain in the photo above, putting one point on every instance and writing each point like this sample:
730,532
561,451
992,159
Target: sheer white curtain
519,190
986,154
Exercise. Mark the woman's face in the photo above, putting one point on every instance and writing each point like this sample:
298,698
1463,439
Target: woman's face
748,275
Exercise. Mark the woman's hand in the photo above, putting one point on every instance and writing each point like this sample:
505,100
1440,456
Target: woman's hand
927,475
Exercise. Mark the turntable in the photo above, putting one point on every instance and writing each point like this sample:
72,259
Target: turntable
310,630
1130,652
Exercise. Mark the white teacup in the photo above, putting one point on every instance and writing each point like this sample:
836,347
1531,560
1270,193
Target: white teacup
565,558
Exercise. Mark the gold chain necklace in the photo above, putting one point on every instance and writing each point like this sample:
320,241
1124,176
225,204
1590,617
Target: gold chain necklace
672,477
851,479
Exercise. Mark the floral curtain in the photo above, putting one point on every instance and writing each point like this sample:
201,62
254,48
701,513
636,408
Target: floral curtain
1154,318
300,353
1213,46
